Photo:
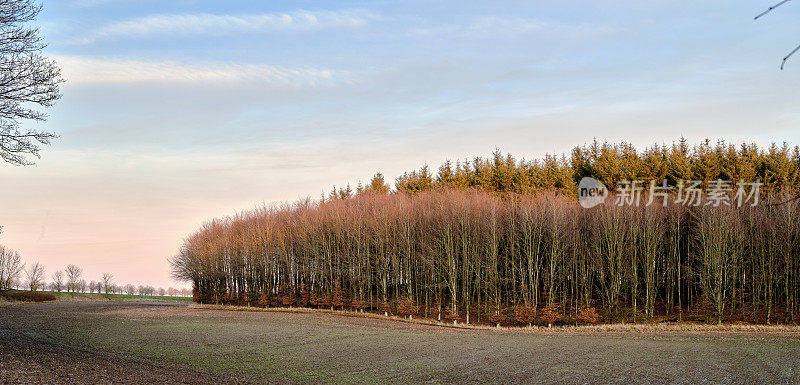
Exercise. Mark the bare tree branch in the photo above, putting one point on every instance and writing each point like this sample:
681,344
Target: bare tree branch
27,81
785,58
788,56
771,8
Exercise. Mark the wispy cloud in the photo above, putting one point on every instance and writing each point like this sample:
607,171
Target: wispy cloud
81,70
497,24
490,25
90,3
211,24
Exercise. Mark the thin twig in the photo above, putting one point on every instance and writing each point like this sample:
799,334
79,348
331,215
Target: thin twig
771,8
784,202
788,56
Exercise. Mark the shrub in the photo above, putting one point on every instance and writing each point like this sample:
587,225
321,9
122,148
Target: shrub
385,308
358,304
498,318
587,316
28,296
338,299
263,299
324,300
407,307
550,314
287,300
525,315
305,296
449,315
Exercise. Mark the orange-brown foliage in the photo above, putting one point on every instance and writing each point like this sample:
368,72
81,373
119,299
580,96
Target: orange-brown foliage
406,306
498,318
338,299
525,314
587,316
263,299
550,314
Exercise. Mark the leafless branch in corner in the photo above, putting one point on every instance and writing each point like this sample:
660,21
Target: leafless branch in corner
770,9
28,81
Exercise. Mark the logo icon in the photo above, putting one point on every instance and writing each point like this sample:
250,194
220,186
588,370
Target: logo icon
591,192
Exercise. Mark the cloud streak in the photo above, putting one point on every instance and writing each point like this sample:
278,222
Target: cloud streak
82,70
491,25
204,24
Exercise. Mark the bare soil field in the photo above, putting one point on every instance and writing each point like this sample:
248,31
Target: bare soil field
170,342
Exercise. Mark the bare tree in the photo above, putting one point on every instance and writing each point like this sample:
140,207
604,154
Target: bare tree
10,267
35,275
73,276
107,284
27,80
58,281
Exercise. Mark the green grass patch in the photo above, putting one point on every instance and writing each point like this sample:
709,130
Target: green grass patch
100,296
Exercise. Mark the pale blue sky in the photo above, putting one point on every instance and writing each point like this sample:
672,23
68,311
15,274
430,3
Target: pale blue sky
178,111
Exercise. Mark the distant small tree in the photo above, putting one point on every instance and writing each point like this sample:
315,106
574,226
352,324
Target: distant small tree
73,276
58,281
378,185
35,274
129,289
10,266
107,283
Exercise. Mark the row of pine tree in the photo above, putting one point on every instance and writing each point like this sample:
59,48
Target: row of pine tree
777,167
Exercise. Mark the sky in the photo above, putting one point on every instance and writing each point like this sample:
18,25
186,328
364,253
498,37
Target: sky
176,112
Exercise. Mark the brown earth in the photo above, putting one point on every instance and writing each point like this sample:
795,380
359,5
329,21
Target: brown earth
157,342
32,357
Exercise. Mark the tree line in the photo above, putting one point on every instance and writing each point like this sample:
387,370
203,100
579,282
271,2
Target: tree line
484,252
14,275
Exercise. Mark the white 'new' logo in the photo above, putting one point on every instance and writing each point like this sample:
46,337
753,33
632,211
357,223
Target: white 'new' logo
591,192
